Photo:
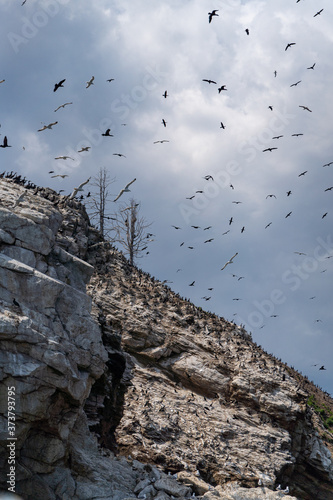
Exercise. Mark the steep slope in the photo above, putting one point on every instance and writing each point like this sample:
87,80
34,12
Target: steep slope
134,375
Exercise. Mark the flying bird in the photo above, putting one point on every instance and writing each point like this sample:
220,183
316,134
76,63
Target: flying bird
288,193
90,82
322,368
190,197
19,199
208,241
329,189
63,105
230,261
222,126
311,67
289,45
161,142
77,189
230,221
288,215
208,177
49,126
176,227
59,175
268,225
84,148
125,190
110,80
119,154
107,133
247,31
211,15
295,84
208,81
328,164
243,229
5,143
318,13
64,158
164,122
303,173
165,94
277,137
268,149
270,107
192,284
237,202
305,107
270,196
223,87
60,84
296,135
300,253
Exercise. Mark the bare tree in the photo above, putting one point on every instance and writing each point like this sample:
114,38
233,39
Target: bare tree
97,203
130,230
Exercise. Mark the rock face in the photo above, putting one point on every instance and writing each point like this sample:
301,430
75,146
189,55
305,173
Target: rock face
124,390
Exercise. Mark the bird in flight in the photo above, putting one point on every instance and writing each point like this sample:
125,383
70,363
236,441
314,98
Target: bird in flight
302,173
192,284
110,80
125,190
247,31
222,126
318,13
237,202
5,143
295,84
84,148
277,137
59,175
230,261
311,67
288,215
270,107
64,158
208,241
208,81
289,45
176,227
270,196
296,135
63,105
49,126
165,94
211,15
77,189
300,253
119,154
329,189
322,368
268,225
305,107
328,164
208,177
288,193
60,84
268,149
324,215
223,87
164,122
107,133
90,82
164,140
230,221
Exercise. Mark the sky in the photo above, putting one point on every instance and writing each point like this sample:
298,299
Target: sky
279,284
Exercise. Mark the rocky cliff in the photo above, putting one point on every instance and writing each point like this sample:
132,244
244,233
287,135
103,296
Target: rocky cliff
113,387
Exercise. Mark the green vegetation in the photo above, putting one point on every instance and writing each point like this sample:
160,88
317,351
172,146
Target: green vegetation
324,412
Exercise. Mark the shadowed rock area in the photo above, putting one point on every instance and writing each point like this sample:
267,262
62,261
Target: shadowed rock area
125,390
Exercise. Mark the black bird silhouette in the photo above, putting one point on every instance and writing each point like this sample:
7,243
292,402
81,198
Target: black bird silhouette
5,143
277,137
165,94
107,133
328,164
223,87
324,215
268,225
176,227
110,80
192,284
190,197
296,135
247,31
318,13
208,81
322,368
208,227
196,227
288,193
329,189
289,45
237,202
268,149
288,215
294,84
303,173
16,303
60,84
311,67
161,142
208,241
211,14
222,126
270,196
164,122
270,107
230,221
243,229
306,108
208,177
119,154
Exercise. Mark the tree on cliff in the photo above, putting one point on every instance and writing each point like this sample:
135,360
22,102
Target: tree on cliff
130,230
97,202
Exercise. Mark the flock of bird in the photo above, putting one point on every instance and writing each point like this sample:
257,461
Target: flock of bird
221,89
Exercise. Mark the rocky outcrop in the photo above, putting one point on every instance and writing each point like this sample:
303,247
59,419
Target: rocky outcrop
124,390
